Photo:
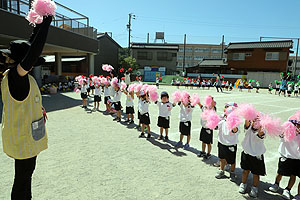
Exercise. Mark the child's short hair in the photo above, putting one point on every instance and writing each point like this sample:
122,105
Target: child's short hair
164,94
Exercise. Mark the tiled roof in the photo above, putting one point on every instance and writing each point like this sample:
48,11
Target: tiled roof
264,44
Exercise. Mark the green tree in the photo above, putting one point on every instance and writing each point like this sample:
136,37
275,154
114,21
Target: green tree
126,61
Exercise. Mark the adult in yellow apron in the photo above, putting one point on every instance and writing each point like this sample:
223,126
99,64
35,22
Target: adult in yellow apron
23,124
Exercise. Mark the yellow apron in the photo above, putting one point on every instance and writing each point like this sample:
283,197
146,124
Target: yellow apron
23,130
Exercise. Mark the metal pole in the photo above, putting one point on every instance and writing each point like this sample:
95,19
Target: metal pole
184,53
222,47
129,29
147,37
296,57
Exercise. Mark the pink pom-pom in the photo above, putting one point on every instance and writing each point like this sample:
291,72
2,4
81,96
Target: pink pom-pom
289,131
81,81
247,111
104,67
207,101
176,96
138,87
296,116
95,79
34,18
233,121
195,99
185,97
212,120
123,86
153,96
77,90
114,82
109,68
105,81
44,7
151,89
131,87
144,88
205,114
270,125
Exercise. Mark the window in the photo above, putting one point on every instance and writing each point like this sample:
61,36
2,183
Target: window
164,56
189,57
272,55
238,56
179,57
144,55
216,50
202,50
187,49
248,54
198,57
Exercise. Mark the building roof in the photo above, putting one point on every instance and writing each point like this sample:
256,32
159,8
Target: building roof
154,46
263,44
101,35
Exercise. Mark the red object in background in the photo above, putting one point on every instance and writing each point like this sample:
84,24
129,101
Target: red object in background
101,76
108,77
82,76
123,78
194,81
184,79
187,78
129,69
213,74
159,78
140,78
91,75
137,78
222,76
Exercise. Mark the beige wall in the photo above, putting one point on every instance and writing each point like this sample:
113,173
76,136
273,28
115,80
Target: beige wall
195,52
153,61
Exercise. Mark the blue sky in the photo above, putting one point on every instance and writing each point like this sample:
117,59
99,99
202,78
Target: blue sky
202,21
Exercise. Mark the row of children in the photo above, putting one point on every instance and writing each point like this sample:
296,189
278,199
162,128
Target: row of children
257,126
281,89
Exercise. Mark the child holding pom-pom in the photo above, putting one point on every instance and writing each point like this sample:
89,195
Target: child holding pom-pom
185,116
144,113
289,158
165,108
129,105
117,101
97,96
83,93
252,158
206,134
107,98
227,143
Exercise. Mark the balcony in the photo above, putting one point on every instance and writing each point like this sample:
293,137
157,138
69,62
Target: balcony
78,23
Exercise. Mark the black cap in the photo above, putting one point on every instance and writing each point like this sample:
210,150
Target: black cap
164,94
18,50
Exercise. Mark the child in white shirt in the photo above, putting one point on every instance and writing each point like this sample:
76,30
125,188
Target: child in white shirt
129,106
289,159
252,158
144,113
296,90
107,99
165,108
227,143
97,97
117,102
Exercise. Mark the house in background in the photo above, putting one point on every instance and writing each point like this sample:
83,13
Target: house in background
262,61
108,53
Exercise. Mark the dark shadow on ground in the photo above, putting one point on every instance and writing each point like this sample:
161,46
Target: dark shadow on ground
59,101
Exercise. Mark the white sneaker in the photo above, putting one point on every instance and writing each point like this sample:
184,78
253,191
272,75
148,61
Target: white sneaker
253,192
217,164
220,174
274,188
243,188
286,194
297,197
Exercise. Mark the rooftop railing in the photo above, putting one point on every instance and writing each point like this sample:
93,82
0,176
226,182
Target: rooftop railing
77,24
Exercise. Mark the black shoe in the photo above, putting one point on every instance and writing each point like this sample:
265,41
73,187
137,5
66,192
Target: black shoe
127,120
201,154
207,156
118,120
142,135
166,138
131,122
149,135
161,137
115,119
